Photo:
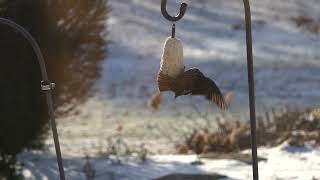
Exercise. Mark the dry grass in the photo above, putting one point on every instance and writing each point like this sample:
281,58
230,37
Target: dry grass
307,23
192,177
155,101
296,127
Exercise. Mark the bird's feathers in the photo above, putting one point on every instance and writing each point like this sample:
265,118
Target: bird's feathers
208,88
173,77
192,82
165,82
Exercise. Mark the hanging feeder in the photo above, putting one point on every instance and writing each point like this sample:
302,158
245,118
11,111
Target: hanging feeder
172,75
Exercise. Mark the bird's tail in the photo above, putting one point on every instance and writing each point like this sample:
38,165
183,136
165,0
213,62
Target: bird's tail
164,82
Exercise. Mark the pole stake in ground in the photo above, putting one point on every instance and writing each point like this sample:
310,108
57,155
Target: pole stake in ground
46,86
251,90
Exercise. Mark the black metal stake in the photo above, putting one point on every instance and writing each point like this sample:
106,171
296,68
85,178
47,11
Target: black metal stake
46,86
253,123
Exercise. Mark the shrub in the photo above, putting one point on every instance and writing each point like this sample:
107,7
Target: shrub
71,35
295,127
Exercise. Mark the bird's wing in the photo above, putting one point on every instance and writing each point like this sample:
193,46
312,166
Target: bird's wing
208,88
164,82
186,82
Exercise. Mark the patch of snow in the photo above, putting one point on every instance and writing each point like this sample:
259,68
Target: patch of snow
287,71
282,163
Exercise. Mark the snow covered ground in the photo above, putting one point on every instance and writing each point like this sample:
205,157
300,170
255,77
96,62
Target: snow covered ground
287,71
283,162
286,60
286,57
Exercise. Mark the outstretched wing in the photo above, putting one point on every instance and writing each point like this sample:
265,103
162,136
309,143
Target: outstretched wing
164,82
208,88
167,83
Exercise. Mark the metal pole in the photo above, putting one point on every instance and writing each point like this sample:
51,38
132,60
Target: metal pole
46,86
251,90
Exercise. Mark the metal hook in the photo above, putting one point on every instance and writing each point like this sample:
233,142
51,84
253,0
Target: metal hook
183,9
173,35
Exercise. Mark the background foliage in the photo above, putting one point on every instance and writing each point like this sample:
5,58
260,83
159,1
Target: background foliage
71,35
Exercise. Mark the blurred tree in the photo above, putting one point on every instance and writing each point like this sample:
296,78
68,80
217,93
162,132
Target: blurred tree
76,31
72,36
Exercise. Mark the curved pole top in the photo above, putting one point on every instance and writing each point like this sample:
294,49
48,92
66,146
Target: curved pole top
33,43
46,86
183,9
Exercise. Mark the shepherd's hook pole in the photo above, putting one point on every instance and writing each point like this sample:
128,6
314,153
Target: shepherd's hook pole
251,91
46,86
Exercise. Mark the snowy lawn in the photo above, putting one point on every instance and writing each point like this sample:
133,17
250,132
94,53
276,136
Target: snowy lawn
283,162
287,70
286,60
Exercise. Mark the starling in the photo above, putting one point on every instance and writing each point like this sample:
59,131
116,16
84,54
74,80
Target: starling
173,77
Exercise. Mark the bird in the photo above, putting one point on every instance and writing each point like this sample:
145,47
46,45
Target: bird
172,76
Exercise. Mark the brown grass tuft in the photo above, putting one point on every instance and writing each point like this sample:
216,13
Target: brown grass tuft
297,127
155,101
307,23
229,97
